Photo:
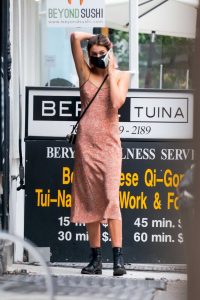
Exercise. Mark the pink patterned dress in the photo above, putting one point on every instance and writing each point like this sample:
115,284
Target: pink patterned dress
98,158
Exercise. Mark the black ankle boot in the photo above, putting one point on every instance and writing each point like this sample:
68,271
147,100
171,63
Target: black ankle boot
118,262
95,265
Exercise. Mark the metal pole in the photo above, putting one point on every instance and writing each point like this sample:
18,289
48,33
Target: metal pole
161,75
6,79
187,79
134,43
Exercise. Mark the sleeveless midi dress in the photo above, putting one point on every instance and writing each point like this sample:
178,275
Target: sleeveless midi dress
98,160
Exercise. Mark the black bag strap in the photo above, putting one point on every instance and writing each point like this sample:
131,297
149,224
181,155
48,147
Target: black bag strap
89,103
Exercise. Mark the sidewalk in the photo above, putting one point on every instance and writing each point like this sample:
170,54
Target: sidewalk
22,282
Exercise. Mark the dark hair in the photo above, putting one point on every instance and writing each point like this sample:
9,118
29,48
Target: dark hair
100,40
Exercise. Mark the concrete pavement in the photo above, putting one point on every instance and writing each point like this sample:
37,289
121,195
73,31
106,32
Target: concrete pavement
25,281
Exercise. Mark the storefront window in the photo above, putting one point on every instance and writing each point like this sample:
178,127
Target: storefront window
57,67
164,61
121,47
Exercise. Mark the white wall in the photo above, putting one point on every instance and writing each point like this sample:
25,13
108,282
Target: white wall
25,71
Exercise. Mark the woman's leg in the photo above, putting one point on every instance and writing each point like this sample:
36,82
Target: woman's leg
115,230
95,264
94,234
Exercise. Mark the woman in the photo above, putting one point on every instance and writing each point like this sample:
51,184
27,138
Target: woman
98,153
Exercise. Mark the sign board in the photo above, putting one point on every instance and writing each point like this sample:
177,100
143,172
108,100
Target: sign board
75,13
146,114
151,172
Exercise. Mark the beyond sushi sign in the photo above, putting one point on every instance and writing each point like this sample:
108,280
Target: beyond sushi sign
75,13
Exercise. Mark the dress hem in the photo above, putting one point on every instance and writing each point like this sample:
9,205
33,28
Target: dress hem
102,220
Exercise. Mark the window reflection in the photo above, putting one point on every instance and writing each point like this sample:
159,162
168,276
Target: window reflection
164,61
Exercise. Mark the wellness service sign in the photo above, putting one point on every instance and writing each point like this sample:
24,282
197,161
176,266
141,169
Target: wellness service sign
75,13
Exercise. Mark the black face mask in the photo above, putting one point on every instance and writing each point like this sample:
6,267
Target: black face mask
99,62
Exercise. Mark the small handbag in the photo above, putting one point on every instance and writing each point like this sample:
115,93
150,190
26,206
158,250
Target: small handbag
71,138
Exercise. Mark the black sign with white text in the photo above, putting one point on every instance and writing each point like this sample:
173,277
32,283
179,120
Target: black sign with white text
55,110
151,172
154,114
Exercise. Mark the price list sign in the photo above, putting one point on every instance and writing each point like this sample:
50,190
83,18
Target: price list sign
151,173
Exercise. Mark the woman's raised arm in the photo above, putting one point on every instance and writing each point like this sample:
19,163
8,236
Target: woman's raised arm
119,83
77,52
